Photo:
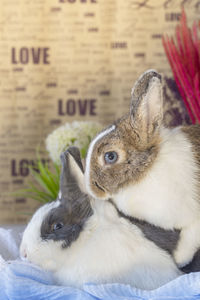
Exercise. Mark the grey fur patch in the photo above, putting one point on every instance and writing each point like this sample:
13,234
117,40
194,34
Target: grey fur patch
165,239
74,209
73,218
74,151
69,187
194,266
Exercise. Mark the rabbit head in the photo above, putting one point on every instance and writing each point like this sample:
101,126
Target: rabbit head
56,225
124,152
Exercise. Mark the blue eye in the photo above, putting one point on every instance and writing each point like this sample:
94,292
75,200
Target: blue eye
110,157
57,226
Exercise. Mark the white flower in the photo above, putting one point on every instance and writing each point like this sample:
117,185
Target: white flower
78,134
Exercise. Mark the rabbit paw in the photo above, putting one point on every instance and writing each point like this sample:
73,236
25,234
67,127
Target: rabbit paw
188,244
183,256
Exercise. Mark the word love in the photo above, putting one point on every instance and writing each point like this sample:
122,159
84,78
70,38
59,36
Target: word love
72,107
22,167
30,55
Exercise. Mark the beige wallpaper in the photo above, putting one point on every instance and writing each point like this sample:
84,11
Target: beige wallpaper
62,60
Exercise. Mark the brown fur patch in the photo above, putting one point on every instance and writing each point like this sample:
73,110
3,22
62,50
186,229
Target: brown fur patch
136,140
146,108
193,134
138,157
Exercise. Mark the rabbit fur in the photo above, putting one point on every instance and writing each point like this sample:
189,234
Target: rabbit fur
150,172
81,239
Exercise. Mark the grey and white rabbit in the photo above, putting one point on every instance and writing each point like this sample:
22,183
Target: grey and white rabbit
150,172
81,239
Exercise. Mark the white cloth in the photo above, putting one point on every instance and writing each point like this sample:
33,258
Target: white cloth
10,237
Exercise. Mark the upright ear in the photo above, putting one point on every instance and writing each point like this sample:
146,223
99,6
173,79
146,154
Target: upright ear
72,178
75,152
147,105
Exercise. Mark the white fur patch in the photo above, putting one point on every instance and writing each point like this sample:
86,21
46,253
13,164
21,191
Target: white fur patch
168,195
108,250
112,250
89,155
31,240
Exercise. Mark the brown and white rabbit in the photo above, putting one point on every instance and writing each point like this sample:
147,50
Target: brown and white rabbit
150,172
81,239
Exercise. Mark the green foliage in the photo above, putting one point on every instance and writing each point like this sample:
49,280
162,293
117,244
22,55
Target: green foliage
45,184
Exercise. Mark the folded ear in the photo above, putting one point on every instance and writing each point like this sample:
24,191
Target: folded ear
72,178
147,105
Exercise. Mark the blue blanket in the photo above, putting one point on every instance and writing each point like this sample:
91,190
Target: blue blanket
22,281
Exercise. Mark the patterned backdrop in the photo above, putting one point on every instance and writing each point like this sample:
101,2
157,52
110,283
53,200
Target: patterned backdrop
62,60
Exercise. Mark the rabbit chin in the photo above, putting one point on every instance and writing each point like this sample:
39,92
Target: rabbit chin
43,255
41,260
98,192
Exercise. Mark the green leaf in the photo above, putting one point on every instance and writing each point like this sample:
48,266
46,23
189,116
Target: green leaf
83,152
47,187
34,193
41,180
44,186
45,178
53,178
57,168
34,189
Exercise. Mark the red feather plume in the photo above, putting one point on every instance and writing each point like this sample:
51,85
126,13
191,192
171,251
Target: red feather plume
183,53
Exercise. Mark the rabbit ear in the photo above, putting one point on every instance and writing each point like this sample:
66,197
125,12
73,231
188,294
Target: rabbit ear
147,105
72,178
75,152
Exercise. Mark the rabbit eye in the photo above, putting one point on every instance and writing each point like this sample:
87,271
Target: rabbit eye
110,157
57,226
